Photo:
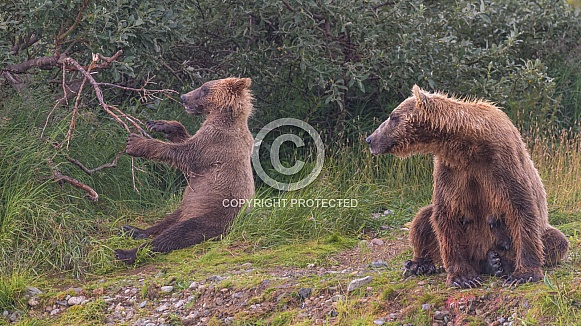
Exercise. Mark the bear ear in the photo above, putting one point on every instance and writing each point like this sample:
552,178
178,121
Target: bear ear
241,84
422,98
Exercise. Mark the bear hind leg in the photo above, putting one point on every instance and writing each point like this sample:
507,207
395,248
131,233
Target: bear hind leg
425,245
137,233
188,233
555,246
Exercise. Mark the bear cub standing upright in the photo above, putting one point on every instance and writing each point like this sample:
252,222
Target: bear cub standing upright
215,161
488,206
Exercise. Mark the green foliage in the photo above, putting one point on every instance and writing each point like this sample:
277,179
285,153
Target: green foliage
12,287
326,62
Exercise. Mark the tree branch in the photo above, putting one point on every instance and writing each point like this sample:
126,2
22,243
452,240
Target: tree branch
104,166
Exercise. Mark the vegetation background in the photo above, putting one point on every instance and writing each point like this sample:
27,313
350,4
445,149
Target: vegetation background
341,66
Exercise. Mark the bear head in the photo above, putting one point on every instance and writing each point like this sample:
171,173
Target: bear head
402,132
228,95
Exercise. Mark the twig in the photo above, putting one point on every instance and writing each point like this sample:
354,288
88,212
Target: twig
104,166
59,177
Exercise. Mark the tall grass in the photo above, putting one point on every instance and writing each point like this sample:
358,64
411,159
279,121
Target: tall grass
557,155
369,184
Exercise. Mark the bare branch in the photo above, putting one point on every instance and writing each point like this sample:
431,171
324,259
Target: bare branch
71,62
104,166
41,63
59,177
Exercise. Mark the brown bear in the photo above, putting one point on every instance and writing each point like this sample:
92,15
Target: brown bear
488,196
215,161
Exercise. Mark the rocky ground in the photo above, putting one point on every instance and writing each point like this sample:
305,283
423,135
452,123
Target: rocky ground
358,281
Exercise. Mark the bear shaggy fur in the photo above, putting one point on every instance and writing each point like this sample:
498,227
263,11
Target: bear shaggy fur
489,210
215,161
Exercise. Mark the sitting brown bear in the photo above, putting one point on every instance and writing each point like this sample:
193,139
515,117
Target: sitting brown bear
482,172
215,161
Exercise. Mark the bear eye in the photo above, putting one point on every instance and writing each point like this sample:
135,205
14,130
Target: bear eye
393,118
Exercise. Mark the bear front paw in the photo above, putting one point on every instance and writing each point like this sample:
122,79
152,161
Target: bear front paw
464,281
133,147
126,256
523,277
157,126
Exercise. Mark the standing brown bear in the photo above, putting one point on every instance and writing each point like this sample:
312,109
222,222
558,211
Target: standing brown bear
215,161
489,204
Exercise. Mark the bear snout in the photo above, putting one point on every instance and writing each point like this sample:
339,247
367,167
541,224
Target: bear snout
183,98
368,140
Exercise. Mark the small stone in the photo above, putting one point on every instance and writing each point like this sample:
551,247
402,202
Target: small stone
73,301
179,304
378,264
333,313
142,305
426,306
377,242
166,289
238,295
193,286
357,283
162,308
305,293
215,278
502,320
379,321
33,302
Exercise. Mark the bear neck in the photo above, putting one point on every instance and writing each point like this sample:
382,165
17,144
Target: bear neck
230,115
460,136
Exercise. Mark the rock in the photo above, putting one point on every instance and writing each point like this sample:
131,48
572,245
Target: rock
378,264
193,286
379,321
359,282
377,242
14,316
73,301
305,293
166,289
441,315
426,306
179,303
162,308
142,305
238,295
33,302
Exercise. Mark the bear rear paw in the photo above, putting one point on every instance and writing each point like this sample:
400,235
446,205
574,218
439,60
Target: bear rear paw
494,264
126,256
420,267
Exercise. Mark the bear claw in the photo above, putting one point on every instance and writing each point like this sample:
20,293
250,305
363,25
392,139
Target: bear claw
493,260
464,283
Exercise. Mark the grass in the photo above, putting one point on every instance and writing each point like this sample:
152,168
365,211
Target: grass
50,229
